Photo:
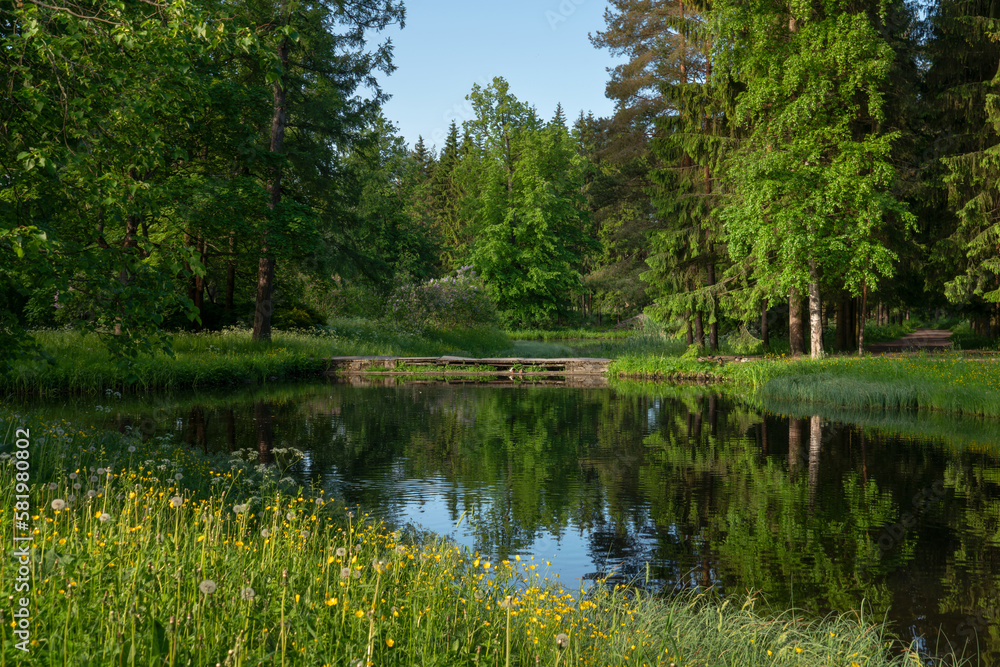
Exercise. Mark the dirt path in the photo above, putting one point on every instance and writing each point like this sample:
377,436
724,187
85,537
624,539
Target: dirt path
921,339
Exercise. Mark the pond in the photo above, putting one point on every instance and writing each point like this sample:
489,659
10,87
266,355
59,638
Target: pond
670,486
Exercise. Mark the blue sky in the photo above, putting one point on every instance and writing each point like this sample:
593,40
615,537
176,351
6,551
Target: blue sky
539,46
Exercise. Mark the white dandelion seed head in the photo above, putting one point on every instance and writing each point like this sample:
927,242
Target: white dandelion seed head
53,486
73,475
341,552
562,640
176,501
58,504
345,572
207,587
247,593
104,517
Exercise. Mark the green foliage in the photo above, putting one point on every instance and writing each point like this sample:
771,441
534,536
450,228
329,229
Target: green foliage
81,364
524,185
942,382
812,178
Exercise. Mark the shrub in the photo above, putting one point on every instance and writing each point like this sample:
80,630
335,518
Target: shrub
458,301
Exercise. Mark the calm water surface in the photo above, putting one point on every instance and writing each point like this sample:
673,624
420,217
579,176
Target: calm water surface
675,487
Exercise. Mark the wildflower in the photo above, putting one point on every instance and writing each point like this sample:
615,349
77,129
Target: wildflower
91,493
131,449
562,640
341,552
265,533
247,593
178,477
240,509
176,501
58,504
207,587
104,517
389,642
53,486
73,475
345,572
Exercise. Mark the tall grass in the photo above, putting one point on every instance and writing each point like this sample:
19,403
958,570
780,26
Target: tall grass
947,382
567,334
231,357
135,561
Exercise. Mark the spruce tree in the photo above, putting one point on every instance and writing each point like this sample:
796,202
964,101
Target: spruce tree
965,55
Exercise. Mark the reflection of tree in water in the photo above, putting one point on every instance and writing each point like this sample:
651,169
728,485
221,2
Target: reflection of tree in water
705,491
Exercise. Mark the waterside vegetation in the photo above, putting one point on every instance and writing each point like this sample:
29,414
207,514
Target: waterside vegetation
145,551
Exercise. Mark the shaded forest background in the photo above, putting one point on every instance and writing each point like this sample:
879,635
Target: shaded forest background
771,166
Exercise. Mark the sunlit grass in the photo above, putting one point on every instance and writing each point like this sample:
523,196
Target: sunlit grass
82,364
147,553
948,382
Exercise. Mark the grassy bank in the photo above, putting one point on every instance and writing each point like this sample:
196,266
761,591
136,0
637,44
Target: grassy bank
230,357
953,383
148,553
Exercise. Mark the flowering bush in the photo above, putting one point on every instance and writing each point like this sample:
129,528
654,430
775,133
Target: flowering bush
453,301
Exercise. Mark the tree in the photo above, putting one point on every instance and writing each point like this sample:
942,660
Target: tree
94,143
314,96
686,250
523,184
963,75
812,180
658,39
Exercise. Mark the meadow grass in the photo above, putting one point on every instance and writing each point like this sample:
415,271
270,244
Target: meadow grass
145,552
82,364
949,382
567,334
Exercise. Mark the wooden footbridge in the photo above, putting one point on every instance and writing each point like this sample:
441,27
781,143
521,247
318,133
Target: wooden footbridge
465,366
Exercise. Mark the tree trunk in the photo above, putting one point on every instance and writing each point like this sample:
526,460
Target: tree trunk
690,331
713,324
861,318
265,431
815,439
764,333
795,324
840,338
231,273
795,432
265,267
699,330
815,314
